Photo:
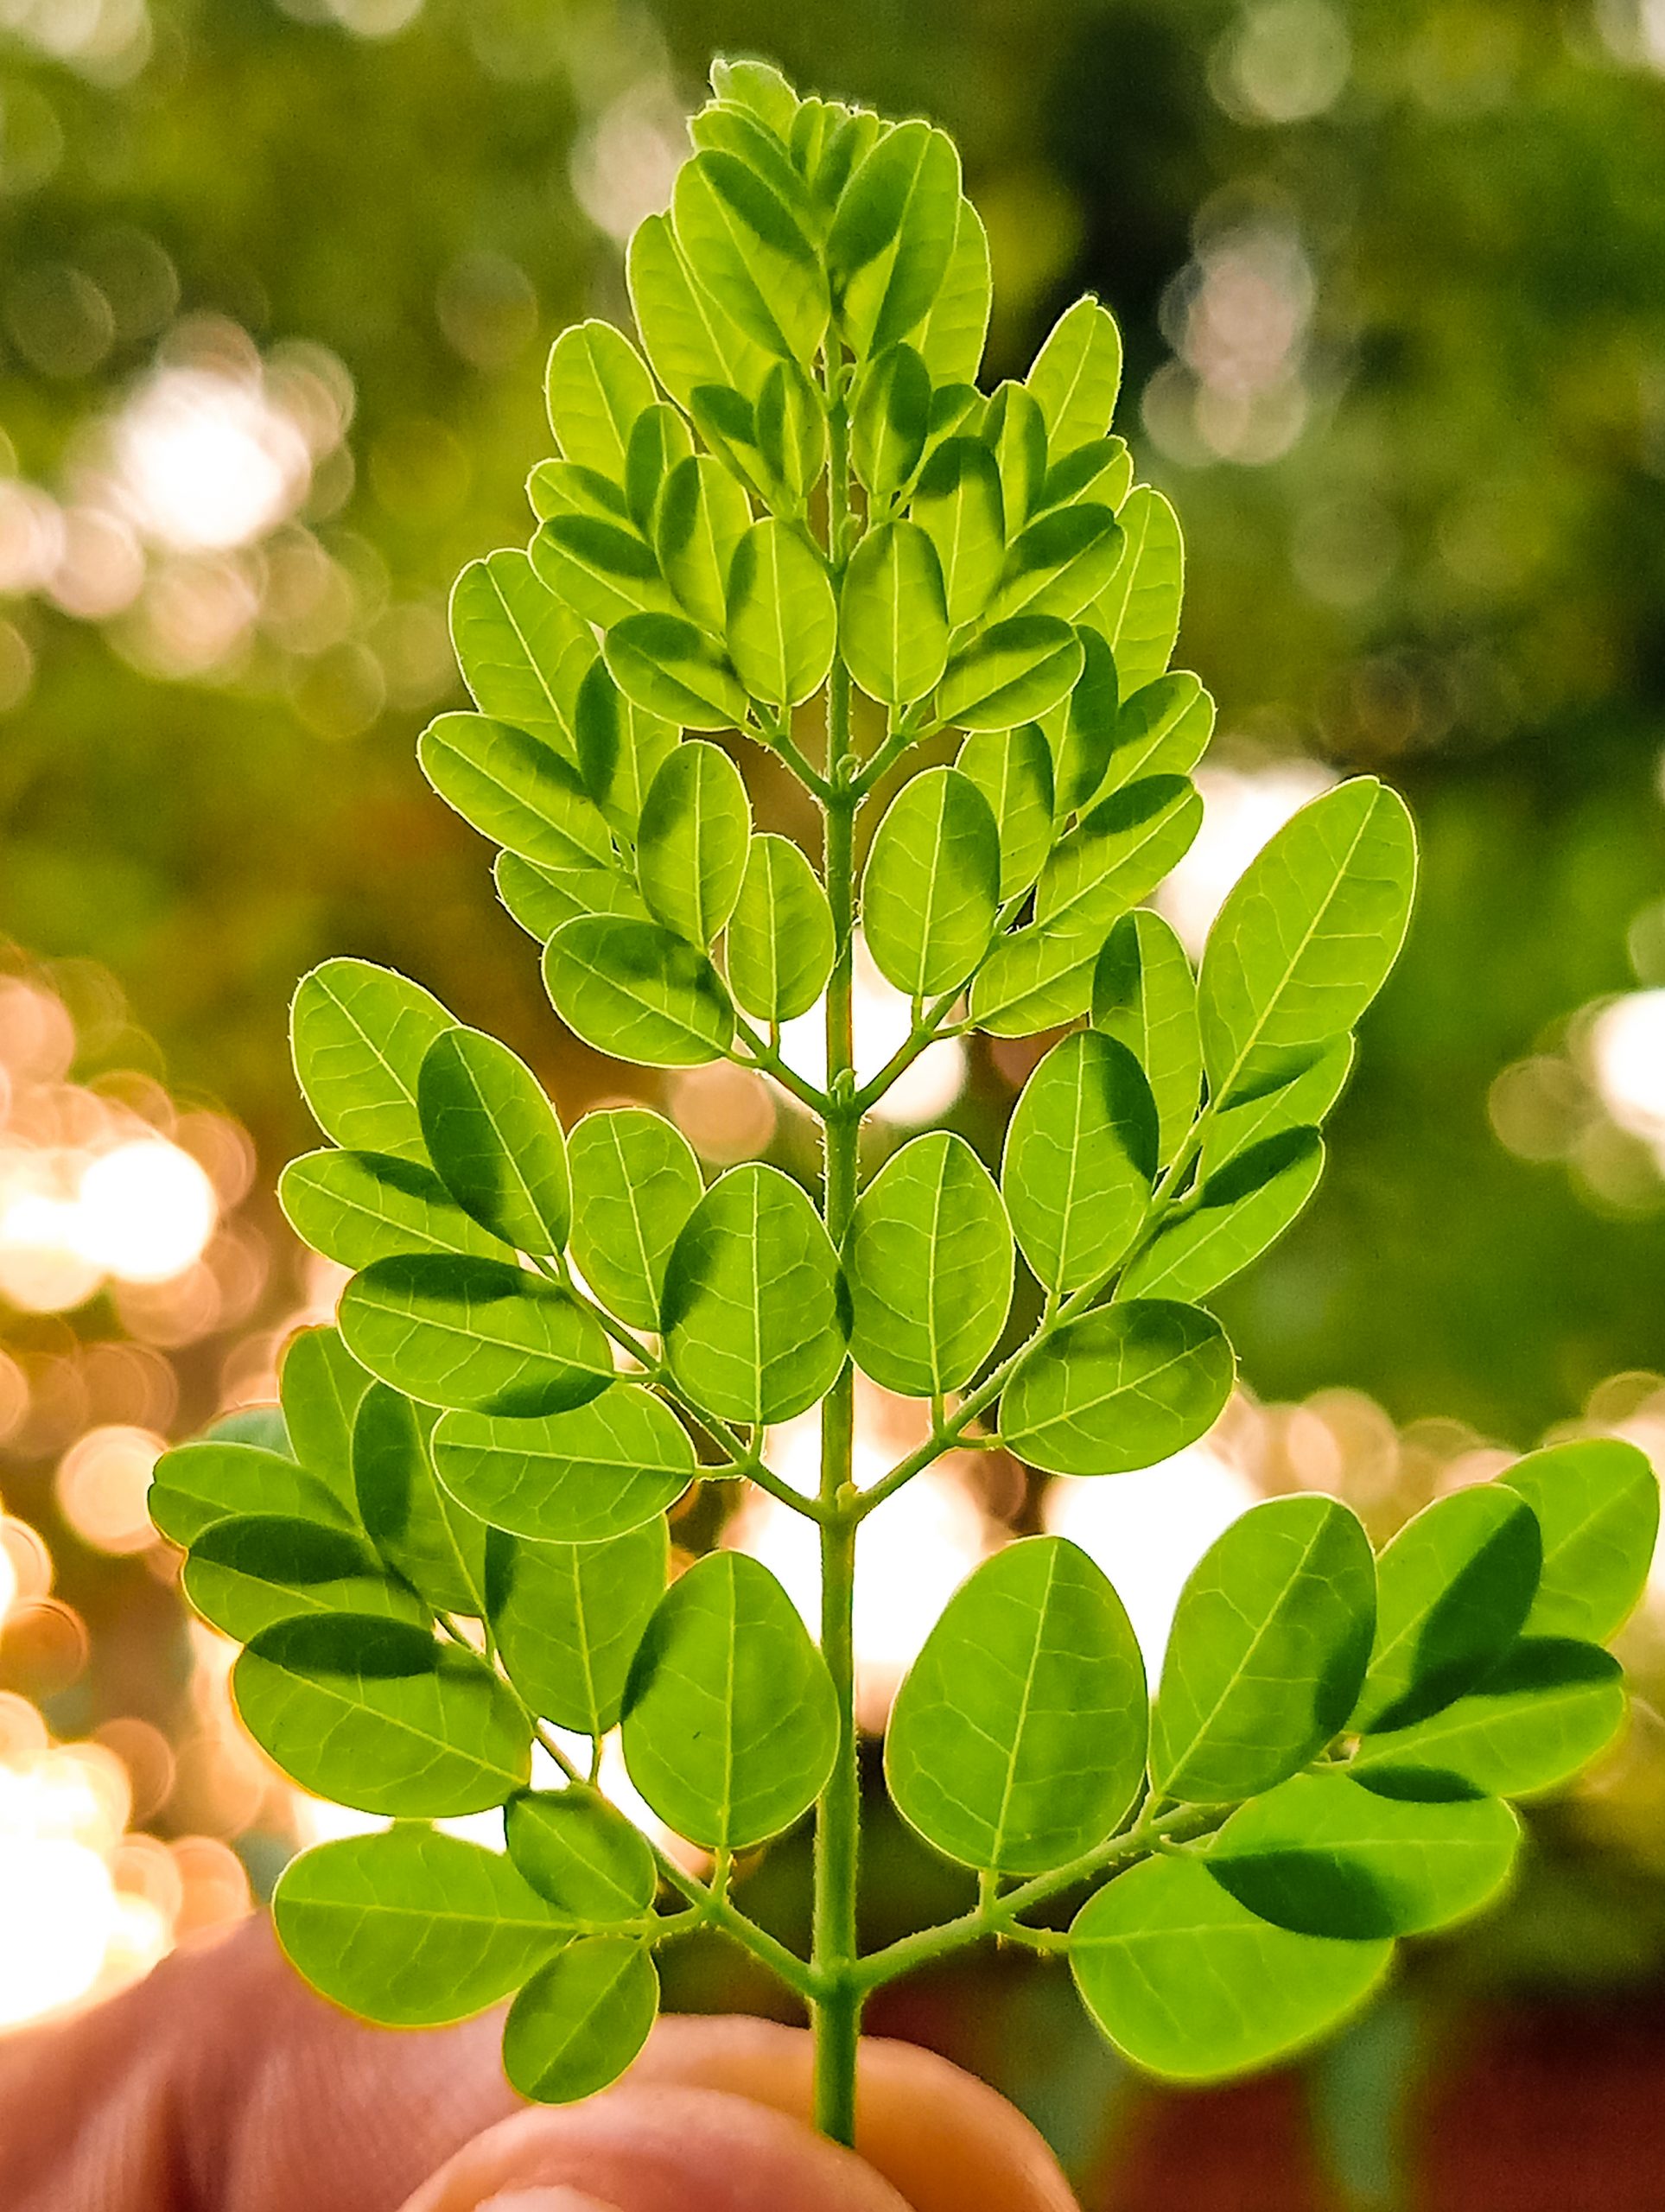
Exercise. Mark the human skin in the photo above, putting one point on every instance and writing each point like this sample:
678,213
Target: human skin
221,2083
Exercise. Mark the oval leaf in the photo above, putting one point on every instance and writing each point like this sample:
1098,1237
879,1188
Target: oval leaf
479,1334
422,1532
1145,995
1544,1713
358,1034
779,951
1117,1389
892,618
581,2019
691,846
244,1575
638,991
635,1182
575,1477
1243,1209
493,1136
1080,1160
1596,1501
930,889
581,1855
568,1618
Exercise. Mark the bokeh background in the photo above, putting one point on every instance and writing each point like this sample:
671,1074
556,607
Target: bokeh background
276,278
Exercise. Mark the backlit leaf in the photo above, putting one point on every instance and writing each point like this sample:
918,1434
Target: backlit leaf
1118,1389
1080,1160
928,1261
196,1484
691,846
950,338
889,420
730,1720
581,2019
1012,673
1015,430
783,618
892,619
523,654
779,951
753,1313
1077,375
575,1477
704,514
1138,610
635,1181
244,1575
1145,995
957,504
320,1385
422,1531
639,991
482,1335
581,1855
1162,730
687,336
358,1034
568,1618
1012,769
1017,1740
1191,1985
376,1714
514,790
930,889
1242,1209
666,665
894,234
746,245
1596,1501
597,386
493,1136
1543,1713
1269,1645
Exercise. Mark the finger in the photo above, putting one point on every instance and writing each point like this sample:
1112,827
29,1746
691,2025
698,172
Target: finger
222,2079
651,2148
946,2140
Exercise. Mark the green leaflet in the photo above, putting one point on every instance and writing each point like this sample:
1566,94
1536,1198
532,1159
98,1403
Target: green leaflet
1080,1160
1162,730
1076,376
734,130
597,386
321,1385
1326,1856
783,620
729,424
493,1136
479,1334
1043,974
575,1477
1138,610
687,336
540,900
691,846
1015,431
1014,672
569,1617
758,87
1453,1590
753,1313
243,1575
957,503
747,247
1120,1387
1242,1209
1598,1503
892,237
579,1855
928,1265
666,665
358,1034
1145,996
514,790
604,569
931,888
892,618
779,951
375,1713
659,438
890,420
950,338
1017,1740
425,1534
1546,1711
1082,730
621,748
790,423
635,1182
1269,1645
1059,563
260,1426
704,514
1103,467
413,1928
564,487
1307,935
638,991
581,2019
196,1484
1012,769
1301,1091
1191,1985
522,652
730,1720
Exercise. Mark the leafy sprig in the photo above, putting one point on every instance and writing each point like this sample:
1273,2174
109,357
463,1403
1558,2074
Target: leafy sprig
798,518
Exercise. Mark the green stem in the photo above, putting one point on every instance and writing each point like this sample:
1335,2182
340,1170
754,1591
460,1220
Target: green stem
838,2008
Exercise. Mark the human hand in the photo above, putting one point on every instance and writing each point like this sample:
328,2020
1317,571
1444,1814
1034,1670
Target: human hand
222,2082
